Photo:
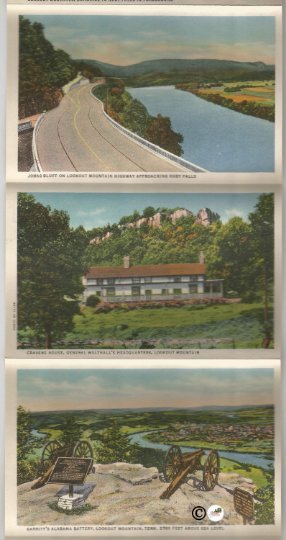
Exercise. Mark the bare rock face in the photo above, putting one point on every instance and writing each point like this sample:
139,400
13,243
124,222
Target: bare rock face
129,494
203,217
181,212
156,220
140,222
99,239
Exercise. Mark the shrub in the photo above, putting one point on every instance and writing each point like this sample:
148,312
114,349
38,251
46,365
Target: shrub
92,300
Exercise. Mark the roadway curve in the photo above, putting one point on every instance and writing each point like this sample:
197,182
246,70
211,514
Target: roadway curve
76,136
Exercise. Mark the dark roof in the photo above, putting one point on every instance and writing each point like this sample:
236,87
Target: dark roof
146,270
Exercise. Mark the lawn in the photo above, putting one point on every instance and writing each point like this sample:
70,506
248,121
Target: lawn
221,326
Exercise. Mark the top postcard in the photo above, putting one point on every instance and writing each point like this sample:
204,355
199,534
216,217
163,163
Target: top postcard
137,93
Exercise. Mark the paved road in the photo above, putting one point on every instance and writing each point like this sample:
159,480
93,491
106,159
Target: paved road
76,136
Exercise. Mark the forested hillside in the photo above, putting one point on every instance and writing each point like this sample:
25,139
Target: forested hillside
43,70
239,251
180,70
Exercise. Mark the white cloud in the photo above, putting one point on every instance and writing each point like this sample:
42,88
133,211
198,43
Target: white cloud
234,212
91,213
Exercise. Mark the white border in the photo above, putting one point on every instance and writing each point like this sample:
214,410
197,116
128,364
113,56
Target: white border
235,531
154,10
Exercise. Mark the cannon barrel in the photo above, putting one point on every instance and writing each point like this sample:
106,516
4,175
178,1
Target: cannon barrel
190,456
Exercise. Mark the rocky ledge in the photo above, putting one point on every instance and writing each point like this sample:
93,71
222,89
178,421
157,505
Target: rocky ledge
125,494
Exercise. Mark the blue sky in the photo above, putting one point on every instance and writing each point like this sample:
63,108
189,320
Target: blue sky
98,209
124,40
63,389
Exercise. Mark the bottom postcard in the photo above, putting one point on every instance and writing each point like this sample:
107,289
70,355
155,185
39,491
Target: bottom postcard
191,450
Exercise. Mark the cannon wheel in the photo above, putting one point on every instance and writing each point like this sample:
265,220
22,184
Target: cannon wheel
50,453
211,470
173,463
83,449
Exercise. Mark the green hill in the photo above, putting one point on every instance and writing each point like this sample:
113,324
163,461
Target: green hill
181,69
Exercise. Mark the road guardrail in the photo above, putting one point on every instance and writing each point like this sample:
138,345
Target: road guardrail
152,147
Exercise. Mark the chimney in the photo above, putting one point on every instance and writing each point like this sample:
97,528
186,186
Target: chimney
126,261
202,257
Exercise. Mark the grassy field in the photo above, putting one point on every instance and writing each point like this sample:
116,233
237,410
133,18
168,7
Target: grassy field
260,92
256,474
225,326
256,98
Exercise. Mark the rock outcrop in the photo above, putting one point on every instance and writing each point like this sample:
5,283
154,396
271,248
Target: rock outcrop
125,494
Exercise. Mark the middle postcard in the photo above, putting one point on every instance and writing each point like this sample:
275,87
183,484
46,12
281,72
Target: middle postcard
105,273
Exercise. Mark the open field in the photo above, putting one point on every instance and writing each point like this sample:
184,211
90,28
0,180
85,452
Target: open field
221,326
256,98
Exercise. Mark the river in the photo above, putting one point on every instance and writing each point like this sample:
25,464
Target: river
255,460
215,138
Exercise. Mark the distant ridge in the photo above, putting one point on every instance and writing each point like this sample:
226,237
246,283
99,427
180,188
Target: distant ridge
205,66
158,409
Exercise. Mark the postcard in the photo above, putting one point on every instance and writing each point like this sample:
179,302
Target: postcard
125,273
155,93
177,451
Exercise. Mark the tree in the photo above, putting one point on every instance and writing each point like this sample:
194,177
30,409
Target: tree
26,444
262,245
230,255
136,117
49,270
149,211
71,432
265,507
114,446
42,70
159,131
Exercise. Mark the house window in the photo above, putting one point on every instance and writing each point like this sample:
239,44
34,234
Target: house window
193,288
110,281
177,291
146,279
99,281
192,278
148,293
207,289
164,291
135,291
110,291
136,280
177,279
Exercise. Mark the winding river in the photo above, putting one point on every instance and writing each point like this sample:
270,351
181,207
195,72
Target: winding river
255,460
215,138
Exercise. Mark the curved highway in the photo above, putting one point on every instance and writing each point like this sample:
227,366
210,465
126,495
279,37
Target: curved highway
76,136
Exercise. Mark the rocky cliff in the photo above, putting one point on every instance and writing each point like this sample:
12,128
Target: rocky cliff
204,217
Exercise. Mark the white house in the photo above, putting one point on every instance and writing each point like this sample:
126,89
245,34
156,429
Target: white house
129,283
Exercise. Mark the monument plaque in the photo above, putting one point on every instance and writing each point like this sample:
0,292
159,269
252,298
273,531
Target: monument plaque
70,470
244,504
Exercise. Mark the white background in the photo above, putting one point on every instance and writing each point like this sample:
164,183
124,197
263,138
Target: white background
2,297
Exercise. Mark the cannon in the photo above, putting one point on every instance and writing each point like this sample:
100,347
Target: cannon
54,449
178,466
